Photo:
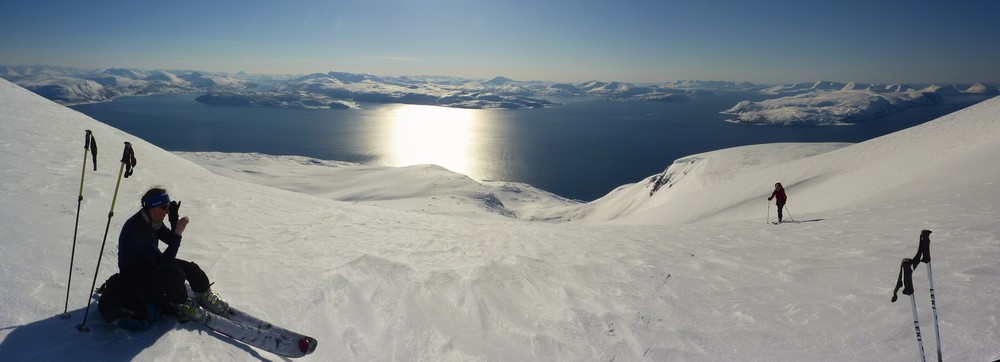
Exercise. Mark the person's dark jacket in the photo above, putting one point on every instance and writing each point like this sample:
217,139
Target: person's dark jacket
779,195
138,246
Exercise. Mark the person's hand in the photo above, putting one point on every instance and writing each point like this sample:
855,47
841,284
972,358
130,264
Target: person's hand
181,225
174,213
769,199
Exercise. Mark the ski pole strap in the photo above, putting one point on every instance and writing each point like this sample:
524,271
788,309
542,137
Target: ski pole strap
91,143
904,280
128,159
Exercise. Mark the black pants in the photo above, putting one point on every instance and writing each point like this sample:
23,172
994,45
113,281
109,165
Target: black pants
780,207
168,283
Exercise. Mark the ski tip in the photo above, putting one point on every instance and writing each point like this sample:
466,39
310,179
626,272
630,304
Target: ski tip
307,345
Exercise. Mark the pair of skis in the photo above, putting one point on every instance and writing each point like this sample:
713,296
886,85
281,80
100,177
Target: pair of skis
905,281
258,333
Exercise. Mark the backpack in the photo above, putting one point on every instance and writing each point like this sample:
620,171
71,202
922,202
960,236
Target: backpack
124,304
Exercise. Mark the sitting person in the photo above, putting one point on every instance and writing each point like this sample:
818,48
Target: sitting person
160,273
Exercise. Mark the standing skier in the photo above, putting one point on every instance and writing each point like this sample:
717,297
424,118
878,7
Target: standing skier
161,273
780,197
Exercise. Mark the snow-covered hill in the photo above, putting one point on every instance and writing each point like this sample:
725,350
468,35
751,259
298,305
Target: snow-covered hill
71,86
690,271
826,103
826,108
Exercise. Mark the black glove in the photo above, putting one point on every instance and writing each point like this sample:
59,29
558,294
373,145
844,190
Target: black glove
175,207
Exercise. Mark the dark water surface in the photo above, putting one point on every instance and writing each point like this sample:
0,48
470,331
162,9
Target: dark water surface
582,149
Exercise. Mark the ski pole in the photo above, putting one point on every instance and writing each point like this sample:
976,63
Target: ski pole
924,255
789,214
128,161
88,141
905,280
768,211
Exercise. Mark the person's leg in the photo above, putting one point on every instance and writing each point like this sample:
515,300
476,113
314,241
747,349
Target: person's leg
201,287
780,207
194,275
167,283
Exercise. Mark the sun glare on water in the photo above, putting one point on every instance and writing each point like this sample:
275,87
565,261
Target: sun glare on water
432,135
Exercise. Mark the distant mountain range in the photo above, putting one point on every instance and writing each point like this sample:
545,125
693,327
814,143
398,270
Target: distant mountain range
70,86
828,107
826,103
74,86
815,103
799,88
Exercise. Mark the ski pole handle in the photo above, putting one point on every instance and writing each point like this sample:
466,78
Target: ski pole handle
904,280
91,143
924,250
128,159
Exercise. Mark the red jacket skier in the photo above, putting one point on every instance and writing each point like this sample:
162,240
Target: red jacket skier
780,197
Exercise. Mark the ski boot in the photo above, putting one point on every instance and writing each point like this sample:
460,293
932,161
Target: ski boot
190,311
213,302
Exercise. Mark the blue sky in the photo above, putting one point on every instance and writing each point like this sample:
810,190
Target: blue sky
560,40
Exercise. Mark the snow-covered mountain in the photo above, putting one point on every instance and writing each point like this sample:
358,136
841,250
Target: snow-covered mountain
408,90
826,107
982,88
800,88
336,89
418,263
605,88
498,81
14,71
66,89
816,103
832,103
70,86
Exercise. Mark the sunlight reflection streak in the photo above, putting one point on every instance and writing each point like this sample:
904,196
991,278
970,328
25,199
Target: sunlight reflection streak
432,135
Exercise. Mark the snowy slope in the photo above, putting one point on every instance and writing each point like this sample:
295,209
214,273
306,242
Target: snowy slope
424,188
381,280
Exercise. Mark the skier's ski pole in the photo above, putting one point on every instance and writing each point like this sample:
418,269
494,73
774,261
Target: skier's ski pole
905,280
88,141
128,161
789,214
916,327
937,332
924,255
768,211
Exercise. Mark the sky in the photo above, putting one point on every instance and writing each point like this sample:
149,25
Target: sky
556,40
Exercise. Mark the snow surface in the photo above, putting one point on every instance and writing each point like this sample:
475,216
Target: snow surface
417,263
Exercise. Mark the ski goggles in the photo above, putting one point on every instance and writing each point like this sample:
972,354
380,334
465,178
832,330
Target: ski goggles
161,200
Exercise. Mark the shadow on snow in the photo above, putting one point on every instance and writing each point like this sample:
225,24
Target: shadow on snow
58,339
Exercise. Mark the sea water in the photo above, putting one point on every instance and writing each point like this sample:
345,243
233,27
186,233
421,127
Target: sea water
581,148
